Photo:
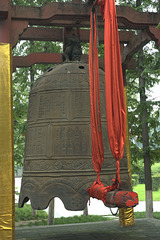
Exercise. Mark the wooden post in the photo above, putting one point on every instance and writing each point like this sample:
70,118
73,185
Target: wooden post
34,212
7,191
126,215
51,213
145,139
85,211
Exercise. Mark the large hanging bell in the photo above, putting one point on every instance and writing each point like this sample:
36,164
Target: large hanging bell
58,160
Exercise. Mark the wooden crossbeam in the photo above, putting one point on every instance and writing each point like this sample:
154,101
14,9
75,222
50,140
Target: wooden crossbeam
56,34
33,58
77,14
54,58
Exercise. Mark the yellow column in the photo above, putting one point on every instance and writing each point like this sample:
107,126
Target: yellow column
6,146
126,215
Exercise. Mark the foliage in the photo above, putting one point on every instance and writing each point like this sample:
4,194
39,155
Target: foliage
140,5
80,219
42,222
156,215
139,215
140,190
151,74
25,213
21,87
143,215
135,179
155,168
156,181
70,220
156,176
35,3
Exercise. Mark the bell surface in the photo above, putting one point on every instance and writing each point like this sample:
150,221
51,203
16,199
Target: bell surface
58,161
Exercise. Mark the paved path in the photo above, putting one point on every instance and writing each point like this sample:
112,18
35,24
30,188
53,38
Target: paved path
144,229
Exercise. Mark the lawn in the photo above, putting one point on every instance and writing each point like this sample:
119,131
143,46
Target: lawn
140,190
23,216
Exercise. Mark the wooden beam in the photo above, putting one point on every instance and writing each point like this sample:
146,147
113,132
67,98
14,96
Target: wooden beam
4,9
56,34
33,58
78,14
54,58
134,46
42,34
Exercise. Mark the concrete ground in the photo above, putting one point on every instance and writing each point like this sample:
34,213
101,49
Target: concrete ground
144,229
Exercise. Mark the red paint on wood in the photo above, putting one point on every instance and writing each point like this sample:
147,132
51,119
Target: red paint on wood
33,58
77,14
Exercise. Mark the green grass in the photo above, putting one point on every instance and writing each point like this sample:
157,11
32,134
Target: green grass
140,190
143,215
70,220
25,214
81,219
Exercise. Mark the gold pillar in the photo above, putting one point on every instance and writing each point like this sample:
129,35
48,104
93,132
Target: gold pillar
126,215
127,136
6,146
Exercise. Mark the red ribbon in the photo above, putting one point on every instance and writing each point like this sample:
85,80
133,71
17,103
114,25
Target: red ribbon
114,91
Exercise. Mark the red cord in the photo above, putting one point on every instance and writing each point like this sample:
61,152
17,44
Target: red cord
114,91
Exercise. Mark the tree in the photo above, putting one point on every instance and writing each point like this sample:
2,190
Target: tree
143,111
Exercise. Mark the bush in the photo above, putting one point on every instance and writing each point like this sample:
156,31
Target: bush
156,181
135,179
155,168
25,213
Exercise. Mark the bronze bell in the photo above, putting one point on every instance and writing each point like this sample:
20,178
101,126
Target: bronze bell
58,160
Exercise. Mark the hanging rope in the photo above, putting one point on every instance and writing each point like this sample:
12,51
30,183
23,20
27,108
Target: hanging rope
114,92
95,113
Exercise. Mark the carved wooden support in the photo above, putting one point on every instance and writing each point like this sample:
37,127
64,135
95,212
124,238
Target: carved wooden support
154,33
17,28
134,45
